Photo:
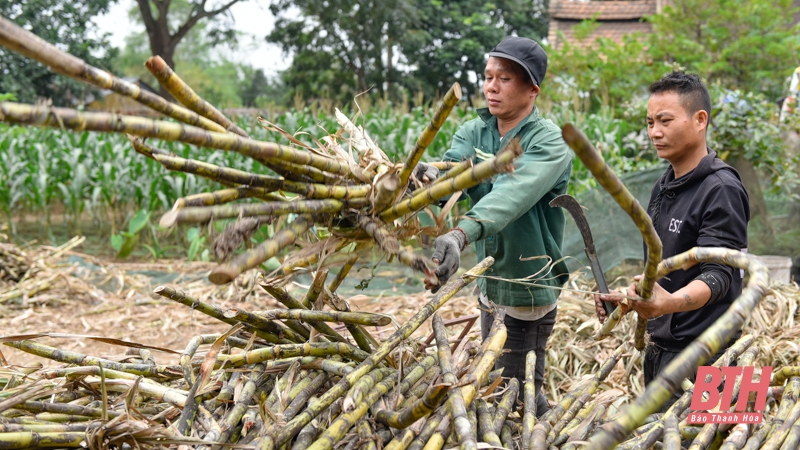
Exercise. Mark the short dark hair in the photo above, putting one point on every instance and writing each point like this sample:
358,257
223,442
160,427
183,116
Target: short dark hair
693,93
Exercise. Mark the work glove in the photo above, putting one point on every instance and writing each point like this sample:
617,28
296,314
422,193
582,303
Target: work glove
425,173
447,255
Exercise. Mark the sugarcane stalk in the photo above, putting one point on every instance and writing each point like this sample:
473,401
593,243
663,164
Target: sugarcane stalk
708,343
265,324
234,176
781,432
294,350
29,439
587,424
225,428
672,435
569,408
401,440
405,417
290,302
431,426
446,293
465,435
443,165
362,337
784,373
226,272
223,196
491,349
337,368
455,170
449,101
650,436
226,392
345,421
787,403
792,438
505,405
705,438
754,442
70,357
388,242
367,436
737,438
360,318
313,293
212,311
75,410
143,148
28,44
485,426
303,382
302,397
506,435
201,215
167,131
529,416
306,437
385,191
43,428
186,95
593,160
299,172
747,359
361,388
502,163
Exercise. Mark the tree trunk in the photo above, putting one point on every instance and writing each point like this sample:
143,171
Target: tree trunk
758,205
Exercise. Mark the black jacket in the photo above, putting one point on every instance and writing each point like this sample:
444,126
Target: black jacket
708,207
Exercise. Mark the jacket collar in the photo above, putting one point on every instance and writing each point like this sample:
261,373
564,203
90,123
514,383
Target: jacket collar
491,121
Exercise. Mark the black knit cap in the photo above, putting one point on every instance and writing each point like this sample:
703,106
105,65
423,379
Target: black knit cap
525,52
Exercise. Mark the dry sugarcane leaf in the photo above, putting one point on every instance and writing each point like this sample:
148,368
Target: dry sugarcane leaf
120,342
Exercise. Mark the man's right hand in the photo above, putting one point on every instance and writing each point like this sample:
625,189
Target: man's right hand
447,255
426,173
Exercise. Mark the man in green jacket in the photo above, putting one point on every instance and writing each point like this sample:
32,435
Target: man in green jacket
510,218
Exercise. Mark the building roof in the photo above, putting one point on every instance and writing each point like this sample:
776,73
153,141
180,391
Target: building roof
615,18
602,10
613,30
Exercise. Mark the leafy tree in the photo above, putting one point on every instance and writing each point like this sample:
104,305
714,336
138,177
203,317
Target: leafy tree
66,24
215,78
168,22
258,90
744,44
341,47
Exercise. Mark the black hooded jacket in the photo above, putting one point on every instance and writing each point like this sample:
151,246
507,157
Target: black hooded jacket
708,207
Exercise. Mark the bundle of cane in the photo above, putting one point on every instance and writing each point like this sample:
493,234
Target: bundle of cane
323,197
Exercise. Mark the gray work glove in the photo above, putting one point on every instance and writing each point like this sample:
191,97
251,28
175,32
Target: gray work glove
425,173
447,255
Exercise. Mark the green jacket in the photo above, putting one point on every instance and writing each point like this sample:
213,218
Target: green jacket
510,218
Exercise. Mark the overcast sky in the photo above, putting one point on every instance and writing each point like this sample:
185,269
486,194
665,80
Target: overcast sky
252,18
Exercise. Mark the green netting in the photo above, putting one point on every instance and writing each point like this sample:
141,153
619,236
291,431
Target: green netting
616,238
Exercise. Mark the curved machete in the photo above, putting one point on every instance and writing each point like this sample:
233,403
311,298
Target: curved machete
569,203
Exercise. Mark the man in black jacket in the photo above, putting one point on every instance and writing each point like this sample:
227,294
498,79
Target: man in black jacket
699,202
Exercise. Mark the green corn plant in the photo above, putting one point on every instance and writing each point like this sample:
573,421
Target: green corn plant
125,242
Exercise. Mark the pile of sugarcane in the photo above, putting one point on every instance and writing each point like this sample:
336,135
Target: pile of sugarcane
285,378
